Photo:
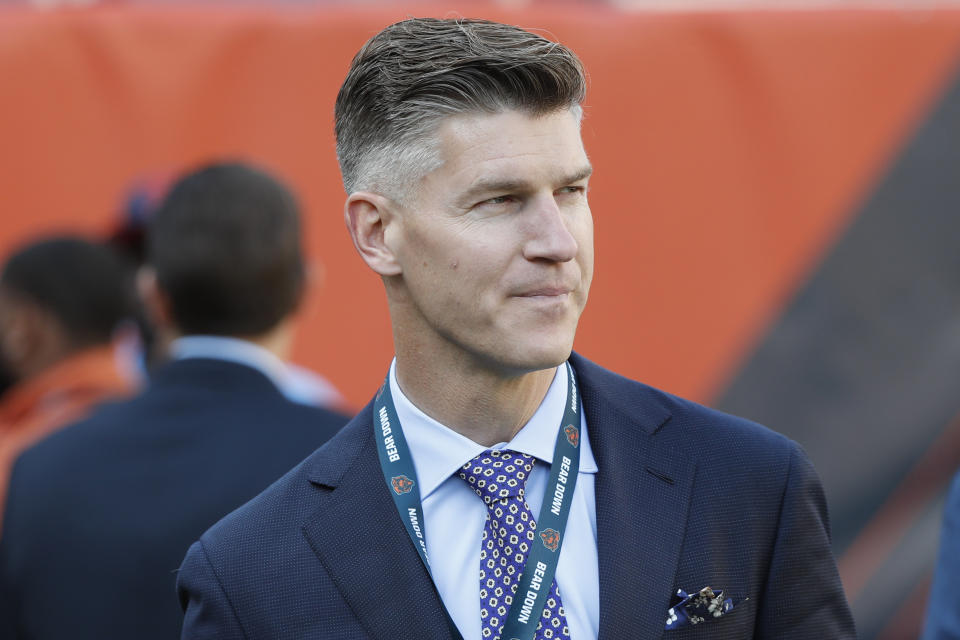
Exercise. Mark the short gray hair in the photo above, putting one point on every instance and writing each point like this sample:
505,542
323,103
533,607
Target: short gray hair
414,73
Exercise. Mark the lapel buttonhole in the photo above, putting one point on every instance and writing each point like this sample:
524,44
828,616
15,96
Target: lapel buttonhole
659,474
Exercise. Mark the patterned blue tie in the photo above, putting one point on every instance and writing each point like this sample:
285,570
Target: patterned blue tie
499,478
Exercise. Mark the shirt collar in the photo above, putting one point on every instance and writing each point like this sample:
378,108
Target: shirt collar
231,350
438,451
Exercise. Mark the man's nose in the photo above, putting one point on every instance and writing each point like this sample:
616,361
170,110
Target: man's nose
548,235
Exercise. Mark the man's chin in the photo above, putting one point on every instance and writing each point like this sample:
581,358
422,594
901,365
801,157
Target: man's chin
524,361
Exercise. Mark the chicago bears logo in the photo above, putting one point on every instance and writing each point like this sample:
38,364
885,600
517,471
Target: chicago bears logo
551,539
573,434
401,484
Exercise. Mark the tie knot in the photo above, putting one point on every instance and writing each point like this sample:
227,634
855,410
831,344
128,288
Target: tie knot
497,474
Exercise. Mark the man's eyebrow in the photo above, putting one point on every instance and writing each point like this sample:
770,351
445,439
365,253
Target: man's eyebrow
484,186
583,174
494,185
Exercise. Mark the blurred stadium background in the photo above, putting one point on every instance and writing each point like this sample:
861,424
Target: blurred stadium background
776,201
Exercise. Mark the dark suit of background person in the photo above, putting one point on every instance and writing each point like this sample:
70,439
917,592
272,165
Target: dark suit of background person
943,608
62,300
486,265
100,515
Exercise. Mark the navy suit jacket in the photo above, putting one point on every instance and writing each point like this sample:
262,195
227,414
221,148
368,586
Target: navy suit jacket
100,514
687,497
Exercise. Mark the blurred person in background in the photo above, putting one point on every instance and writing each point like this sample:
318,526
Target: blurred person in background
61,302
459,143
100,515
140,343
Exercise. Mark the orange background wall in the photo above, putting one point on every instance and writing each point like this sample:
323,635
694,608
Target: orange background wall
729,149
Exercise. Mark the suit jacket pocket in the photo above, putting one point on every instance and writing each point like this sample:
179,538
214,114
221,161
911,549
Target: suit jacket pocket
736,625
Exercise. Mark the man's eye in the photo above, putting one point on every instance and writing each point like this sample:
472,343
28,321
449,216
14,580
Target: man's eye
498,200
572,189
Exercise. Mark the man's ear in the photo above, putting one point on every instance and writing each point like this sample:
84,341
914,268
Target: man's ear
32,338
367,216
155,301
315,273
22,337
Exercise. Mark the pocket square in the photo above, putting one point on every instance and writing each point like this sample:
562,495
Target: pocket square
701,606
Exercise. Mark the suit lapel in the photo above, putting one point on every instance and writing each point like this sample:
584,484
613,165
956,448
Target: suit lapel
643,494
360,539
643,490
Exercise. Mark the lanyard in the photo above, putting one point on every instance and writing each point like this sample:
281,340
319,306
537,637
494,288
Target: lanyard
534,585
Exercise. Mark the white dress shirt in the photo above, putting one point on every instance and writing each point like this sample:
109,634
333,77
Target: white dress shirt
454,515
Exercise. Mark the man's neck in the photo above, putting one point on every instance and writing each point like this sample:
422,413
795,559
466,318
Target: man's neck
278,340
479,404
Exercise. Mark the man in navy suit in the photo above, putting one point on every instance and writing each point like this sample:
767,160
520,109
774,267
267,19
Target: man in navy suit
100,514
499,486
